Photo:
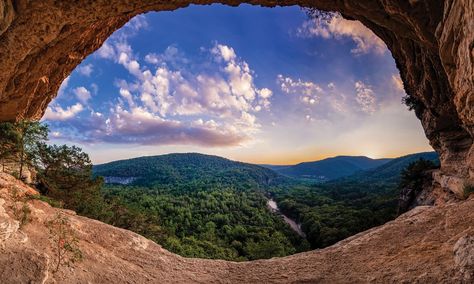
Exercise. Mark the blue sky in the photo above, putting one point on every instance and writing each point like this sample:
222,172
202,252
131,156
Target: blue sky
263,85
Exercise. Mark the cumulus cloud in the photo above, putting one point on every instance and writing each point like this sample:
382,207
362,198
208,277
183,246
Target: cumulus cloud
82,94
141,126
337,27
225,52
57,113
240,78
365,97
55,134
85,70
167,102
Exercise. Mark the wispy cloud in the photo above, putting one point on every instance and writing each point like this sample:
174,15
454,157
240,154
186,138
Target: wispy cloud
171,56
365,97
309,92
324,101
337,27
397,82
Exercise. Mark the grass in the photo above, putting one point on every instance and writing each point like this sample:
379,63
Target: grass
53,202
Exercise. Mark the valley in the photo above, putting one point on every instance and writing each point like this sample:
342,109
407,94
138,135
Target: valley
211,207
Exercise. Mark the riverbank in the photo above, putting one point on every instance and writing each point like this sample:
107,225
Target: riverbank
273,206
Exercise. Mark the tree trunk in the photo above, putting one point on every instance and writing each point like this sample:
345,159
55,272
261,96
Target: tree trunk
22,157
20,175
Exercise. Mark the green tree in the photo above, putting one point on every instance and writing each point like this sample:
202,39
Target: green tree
271,246
413,175
65,173
412,180
30,135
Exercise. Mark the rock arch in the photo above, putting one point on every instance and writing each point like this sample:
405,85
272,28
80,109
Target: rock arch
41,42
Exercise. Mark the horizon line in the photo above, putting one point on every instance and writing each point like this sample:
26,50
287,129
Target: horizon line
269,164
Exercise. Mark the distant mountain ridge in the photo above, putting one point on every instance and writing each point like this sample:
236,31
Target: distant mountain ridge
179,168
329,168
390,171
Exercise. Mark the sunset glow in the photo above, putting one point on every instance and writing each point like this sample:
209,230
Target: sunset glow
261,85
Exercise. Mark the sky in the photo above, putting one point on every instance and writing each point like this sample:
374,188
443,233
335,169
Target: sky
260,85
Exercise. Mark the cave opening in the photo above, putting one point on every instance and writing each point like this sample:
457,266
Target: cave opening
274,87
42,42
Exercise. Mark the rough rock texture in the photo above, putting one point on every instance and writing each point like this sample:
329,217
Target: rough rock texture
425,245
431,193
432,42
464,257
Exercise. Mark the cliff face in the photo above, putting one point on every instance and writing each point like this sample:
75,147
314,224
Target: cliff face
41,42
425,245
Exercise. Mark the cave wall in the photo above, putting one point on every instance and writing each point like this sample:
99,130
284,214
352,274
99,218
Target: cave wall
42,41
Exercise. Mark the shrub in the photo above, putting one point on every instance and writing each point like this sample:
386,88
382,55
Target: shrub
21,210
53,202
412,180
22,214
412,176
65,243
413,104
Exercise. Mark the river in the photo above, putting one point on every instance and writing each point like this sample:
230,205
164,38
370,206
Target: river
273,206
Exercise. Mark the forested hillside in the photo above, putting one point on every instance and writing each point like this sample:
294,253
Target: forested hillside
198,169
390,172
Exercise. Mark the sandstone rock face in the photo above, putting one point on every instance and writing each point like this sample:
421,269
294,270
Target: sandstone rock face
425,245
7,226
432,42
464,257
